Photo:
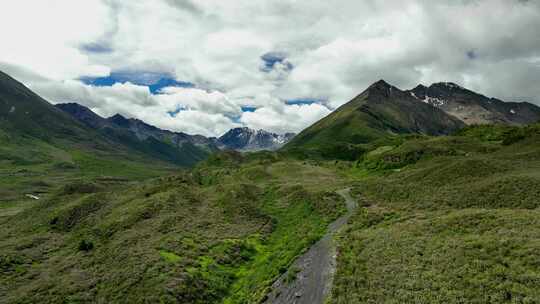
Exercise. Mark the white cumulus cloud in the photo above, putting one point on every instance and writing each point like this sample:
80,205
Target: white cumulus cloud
326,51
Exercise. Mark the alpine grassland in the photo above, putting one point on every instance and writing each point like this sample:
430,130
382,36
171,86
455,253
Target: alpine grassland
445,220
219,233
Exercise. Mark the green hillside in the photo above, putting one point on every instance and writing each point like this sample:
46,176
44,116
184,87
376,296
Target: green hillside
446,220
221,233
22,112
186,155
380,112
42,147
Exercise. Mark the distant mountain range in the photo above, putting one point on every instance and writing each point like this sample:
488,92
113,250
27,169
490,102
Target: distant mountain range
383,110
240,139
175,147
73,127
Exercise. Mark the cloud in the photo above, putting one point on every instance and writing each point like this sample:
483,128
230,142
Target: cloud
247,60
209,102
289,118
195,111
43,36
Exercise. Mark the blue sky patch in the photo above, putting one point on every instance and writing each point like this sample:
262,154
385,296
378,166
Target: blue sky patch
154,81
248,109
175,112
270,59
302,101
169,82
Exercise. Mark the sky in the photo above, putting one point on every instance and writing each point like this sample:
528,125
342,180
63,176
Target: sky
205,66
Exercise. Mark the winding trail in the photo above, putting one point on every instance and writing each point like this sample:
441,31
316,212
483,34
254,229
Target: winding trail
316,267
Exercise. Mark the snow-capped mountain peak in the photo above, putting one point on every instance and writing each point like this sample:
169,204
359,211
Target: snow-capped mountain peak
246,139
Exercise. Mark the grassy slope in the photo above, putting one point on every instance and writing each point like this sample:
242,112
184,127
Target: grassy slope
379,113
31,165
186,155
41,148
446,220
222,233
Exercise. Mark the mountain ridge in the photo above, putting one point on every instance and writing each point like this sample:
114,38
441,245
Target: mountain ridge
247,139
474,108
24,112
380,111
26,115
178,148
240,139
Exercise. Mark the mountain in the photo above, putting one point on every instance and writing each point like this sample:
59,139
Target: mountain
132,131
28,121
138,134
22,112
42,147
246,139
381,110
179,148
474,108
83,114
139,128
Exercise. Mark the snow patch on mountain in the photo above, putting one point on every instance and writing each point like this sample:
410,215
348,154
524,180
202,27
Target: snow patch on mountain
246,139
434,101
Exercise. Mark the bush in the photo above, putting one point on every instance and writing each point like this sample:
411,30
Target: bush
292,274
80,187
343,151
65,165
85,245
68,218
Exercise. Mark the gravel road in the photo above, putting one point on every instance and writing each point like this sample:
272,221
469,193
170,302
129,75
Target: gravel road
316,267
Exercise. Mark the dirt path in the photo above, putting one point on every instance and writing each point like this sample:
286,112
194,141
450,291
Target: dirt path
316,267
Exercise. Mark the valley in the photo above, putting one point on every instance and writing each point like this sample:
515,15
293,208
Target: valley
439,210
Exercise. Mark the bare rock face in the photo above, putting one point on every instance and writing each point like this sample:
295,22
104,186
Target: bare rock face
474,108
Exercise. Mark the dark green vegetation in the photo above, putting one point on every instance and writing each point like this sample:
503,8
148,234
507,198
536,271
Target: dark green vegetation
22,112
221,233
446,220
33,166
380,112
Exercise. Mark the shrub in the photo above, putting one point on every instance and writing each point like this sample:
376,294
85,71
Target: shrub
292,274
85,245
80,187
